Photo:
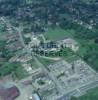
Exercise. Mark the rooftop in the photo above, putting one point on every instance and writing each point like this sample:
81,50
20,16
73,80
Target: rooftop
9,93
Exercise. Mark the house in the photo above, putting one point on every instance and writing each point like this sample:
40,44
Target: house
44,86
9,93
24,58
14,46
70,43
12,37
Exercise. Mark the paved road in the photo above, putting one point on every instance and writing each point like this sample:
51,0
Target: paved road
19,31
60,88
10,29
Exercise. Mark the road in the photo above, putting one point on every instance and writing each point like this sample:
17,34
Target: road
59,87
38,62
19,31
50,58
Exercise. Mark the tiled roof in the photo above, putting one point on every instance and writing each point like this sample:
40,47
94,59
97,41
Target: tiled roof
9,93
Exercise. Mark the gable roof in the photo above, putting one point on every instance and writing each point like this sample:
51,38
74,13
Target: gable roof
9,93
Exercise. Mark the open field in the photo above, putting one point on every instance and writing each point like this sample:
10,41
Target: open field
57,33
87,48
45,62
33,63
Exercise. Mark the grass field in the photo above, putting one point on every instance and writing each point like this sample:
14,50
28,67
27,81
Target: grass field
57,33
33,63
45,62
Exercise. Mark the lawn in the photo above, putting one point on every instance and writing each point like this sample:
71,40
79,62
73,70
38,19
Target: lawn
45,62
58,33
33,63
